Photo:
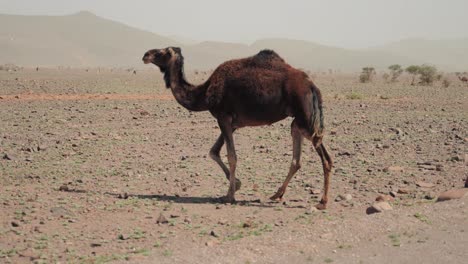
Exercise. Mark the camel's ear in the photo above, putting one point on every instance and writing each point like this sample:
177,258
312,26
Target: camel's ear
177,50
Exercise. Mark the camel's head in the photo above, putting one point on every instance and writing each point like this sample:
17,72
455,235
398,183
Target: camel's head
163,58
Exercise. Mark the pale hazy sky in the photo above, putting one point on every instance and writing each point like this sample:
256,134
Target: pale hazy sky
344,23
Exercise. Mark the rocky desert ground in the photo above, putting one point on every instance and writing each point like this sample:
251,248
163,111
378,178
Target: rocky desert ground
101,165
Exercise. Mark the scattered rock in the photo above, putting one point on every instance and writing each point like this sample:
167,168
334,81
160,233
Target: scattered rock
60,211
247,224
315,191
393,194
452,194
344,197
64,188
210,243
393,169
384,198
429,196
379,207
14,224
425,184
8,157
214,234
162,219
123,196
312,210
96,245
347,197
123,237
403,191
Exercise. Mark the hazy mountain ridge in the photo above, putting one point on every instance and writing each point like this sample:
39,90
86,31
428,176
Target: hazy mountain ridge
85,40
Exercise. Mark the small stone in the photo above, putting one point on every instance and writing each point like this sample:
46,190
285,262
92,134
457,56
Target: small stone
96,245
384,198
425,184
315,191
379,207
452,194
162,219
393,169
8,157
187,220
348,197
403,191
210,243
312,210
123,196
214,234
64,188
393,194
429,196
60,211
247,224
14,224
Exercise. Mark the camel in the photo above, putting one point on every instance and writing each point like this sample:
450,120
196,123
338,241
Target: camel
463,79
254,91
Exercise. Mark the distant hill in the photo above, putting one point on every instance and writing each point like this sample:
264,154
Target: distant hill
82,39
86,40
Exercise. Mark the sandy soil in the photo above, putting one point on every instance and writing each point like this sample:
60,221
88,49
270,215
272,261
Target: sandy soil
90,160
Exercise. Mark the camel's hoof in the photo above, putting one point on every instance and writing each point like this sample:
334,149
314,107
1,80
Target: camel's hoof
278,197
321,206
238,185
227,200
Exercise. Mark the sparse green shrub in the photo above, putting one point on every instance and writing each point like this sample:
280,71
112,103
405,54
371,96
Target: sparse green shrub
413,70
354,96
427,74
366,74
395,71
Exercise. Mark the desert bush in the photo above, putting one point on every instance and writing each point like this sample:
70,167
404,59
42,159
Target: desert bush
427,74
413,70
395,71
354,96
366,74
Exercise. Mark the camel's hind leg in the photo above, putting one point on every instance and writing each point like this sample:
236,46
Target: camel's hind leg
214,154
327,164
295,164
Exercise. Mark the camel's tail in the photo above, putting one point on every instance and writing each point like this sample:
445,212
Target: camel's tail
316,118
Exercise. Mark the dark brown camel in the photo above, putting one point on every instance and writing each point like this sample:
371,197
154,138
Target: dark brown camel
254,91
463,79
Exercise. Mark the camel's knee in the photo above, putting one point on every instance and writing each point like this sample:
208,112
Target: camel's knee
214,155
295,165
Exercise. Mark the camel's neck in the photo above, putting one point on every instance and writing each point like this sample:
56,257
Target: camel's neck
189,96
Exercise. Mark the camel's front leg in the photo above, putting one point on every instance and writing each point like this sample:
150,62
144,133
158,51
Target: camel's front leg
214,154
225,123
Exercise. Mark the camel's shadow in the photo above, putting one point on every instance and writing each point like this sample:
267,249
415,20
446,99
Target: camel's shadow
201,200
189,199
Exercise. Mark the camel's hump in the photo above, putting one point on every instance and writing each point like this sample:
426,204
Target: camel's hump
267,54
